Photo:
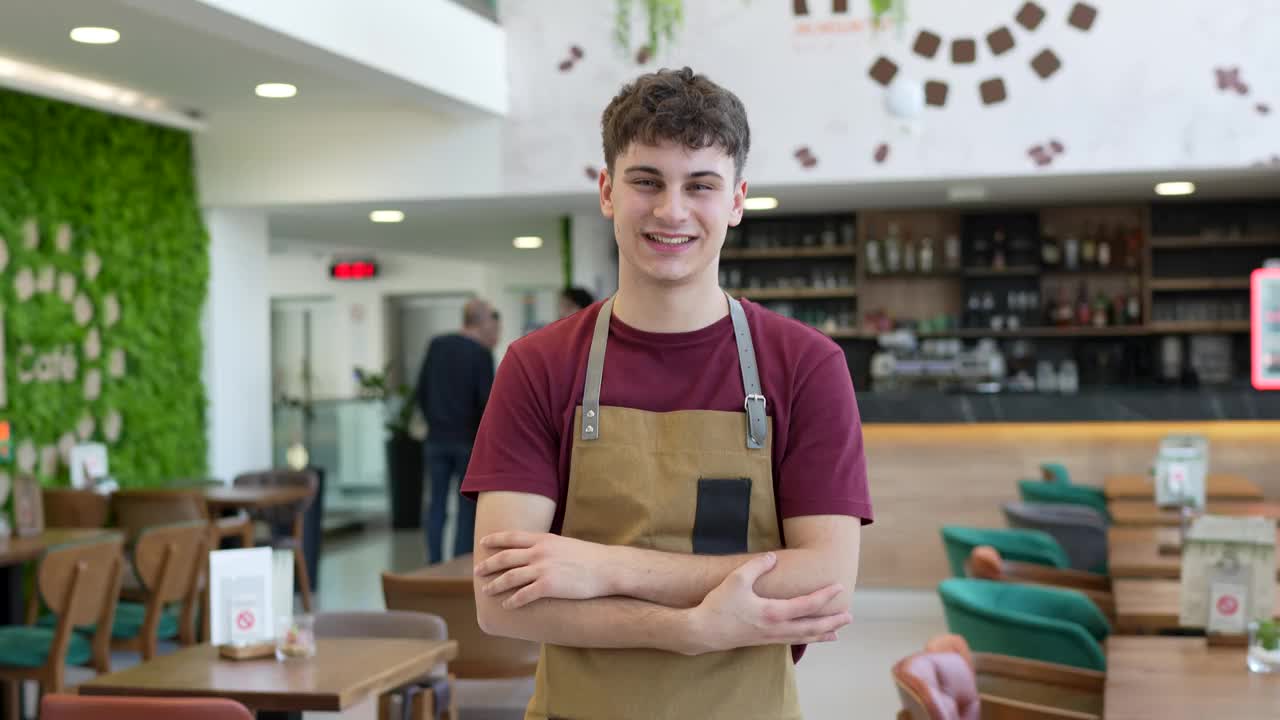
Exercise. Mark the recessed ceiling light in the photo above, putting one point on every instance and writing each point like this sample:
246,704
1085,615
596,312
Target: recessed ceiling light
760,203
966,193
386,216
1180,187
276,90
527,242
95,35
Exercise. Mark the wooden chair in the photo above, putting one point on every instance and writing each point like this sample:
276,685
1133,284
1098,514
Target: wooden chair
291,516
80,583
169,561
985,563
948,682
76,707
480,655
424,696
74,508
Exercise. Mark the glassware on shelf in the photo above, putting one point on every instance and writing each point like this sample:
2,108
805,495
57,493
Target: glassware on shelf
951,251
926,254
1071,252
893,249
874,265
1264,647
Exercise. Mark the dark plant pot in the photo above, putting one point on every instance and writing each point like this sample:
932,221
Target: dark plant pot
404,475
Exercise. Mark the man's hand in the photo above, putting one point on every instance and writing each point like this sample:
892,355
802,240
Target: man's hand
734,616
543,565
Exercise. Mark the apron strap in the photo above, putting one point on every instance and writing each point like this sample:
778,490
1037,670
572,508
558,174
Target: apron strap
595,373
754,403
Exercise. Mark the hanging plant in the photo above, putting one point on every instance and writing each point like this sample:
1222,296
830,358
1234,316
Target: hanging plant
880,8
665,17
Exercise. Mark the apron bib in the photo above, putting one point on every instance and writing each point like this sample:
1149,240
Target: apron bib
690,481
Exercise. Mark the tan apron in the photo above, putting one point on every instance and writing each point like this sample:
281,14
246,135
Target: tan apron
685,481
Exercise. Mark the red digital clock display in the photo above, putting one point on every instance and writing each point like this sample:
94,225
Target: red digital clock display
353,269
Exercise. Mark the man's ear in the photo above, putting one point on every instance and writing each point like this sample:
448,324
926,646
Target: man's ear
739,198
606,193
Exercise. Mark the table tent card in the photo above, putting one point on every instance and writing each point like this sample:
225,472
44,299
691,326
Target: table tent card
1182,464
88,465
1228,573
241,598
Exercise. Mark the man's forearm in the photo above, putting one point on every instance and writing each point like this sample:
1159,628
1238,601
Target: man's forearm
677,580
611,622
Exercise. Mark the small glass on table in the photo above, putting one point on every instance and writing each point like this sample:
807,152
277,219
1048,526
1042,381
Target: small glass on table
1264,646
295,637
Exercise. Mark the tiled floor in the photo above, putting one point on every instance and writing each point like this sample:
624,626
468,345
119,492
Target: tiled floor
845,679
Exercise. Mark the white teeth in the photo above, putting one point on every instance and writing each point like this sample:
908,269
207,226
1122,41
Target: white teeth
669,241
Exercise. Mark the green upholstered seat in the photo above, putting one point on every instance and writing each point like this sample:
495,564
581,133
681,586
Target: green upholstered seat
1031,621
1018,544
1055,473
127,623
28,647
1036,491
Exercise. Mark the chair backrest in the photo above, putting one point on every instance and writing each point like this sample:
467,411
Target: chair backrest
1035,622
1079,529
280,477
381,624
74,508
142,508
1035,491
1055,473
85,707
80,581
480,655
1031,546
169,559
937,686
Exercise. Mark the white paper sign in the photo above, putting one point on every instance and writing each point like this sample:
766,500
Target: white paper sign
88,464
241,596
282,585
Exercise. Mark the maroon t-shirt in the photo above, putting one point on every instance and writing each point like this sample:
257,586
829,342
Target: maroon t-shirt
526,435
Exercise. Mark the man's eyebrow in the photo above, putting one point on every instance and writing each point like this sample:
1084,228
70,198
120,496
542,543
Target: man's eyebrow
649,169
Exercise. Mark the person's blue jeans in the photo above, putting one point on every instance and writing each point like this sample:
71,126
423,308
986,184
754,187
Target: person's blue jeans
446,466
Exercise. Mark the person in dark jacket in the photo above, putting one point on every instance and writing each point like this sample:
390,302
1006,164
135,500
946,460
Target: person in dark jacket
453,387
573,299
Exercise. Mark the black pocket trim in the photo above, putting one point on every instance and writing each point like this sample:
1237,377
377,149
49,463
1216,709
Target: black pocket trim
723,516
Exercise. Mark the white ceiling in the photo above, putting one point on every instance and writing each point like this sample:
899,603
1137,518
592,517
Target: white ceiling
199,70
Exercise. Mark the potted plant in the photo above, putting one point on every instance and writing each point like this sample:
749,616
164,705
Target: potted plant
403,447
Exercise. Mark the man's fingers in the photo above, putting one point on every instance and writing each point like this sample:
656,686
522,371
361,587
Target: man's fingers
803,606
814,627
504,560
526,595
510,580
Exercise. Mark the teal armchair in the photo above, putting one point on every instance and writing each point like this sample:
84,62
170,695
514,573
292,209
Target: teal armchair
1031,546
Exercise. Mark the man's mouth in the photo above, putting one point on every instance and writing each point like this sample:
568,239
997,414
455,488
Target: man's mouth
666,239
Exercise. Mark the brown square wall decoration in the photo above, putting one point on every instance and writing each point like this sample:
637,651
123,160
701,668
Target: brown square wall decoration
884,70
1046,63
1000,40
935,93
963,51
1030,16
927,44
992,91
1082,16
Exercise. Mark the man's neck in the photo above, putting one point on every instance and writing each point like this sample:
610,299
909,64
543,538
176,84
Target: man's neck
668,309
472,333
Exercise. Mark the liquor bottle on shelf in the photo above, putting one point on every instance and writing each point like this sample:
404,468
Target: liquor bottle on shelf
1133,247
998,249
1104,251
874,264
1071,252
1133,305
951,251
893,249
847,233
909,256
1084,312
1050,251
829,237
1089,248
926,255
1063,311
1101,310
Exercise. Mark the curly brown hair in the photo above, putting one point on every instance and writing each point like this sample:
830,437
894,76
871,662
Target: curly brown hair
680,106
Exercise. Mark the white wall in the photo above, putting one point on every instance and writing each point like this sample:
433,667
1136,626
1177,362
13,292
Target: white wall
595,264
254,159
360,327
1136,92
237,343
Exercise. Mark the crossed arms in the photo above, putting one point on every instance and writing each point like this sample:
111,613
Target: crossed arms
537,586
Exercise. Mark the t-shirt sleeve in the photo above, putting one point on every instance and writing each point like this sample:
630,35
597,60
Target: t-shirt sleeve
517,446
823,470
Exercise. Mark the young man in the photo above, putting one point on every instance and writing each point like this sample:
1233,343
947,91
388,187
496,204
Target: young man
669,516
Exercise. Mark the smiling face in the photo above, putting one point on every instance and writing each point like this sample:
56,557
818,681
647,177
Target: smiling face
670,207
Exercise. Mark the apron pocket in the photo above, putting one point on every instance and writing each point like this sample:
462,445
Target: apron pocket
723,516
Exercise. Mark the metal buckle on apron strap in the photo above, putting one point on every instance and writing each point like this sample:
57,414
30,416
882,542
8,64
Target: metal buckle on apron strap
756,427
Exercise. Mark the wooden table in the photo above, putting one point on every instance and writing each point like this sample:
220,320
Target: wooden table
1145,513
1159,678
1217,487
1150,606
228,497
343,672
1134,552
